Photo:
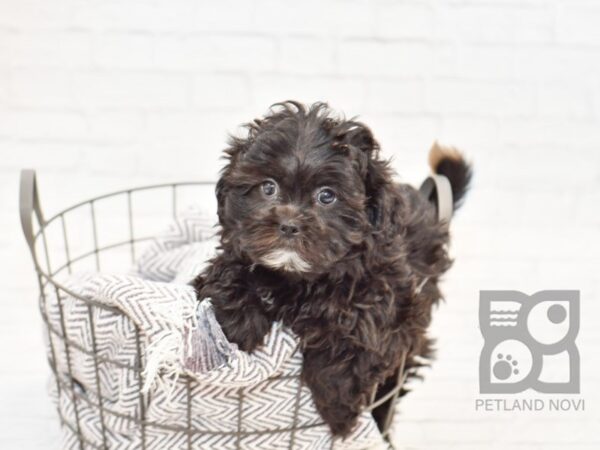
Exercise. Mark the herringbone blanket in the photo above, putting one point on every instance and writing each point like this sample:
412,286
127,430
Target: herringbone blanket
235,400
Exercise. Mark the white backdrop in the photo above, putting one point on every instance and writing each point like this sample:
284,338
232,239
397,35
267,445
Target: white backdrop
102,94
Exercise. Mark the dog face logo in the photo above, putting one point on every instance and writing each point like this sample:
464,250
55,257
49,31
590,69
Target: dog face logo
529,342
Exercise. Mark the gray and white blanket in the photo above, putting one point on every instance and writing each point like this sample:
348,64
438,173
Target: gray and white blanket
237,400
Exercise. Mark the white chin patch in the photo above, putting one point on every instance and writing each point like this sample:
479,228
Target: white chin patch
286,260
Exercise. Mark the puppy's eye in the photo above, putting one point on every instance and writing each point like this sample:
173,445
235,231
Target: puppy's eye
269,188
326,196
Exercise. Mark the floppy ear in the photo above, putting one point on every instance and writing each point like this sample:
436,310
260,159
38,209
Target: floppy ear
233,154
357,139
378,184
221,192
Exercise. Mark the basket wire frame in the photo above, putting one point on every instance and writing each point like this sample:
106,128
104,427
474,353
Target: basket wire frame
35,228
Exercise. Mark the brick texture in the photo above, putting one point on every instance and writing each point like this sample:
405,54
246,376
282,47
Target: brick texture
104,94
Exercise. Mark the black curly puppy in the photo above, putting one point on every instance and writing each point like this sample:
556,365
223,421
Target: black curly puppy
315,233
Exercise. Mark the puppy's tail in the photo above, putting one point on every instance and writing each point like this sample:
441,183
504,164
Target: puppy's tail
449,162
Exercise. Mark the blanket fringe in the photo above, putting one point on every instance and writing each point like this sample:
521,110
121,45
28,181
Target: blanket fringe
168,349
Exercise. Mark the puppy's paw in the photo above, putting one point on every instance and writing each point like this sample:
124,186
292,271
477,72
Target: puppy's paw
340,418
246,329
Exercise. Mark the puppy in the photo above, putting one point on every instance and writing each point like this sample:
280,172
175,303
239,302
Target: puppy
315,233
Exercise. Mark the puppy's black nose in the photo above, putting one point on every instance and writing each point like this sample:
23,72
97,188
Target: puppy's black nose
288,228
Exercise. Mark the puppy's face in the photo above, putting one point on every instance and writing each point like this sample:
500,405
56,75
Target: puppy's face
293,197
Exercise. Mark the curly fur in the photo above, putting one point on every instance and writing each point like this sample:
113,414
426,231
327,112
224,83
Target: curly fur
355,305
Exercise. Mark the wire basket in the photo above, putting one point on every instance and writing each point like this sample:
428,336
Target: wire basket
57,250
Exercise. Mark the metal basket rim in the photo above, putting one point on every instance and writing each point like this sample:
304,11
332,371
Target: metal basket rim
43,224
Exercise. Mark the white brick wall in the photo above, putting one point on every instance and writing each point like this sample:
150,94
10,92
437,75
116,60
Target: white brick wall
103,94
